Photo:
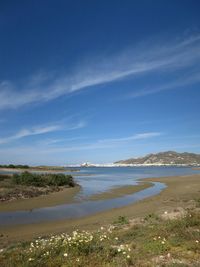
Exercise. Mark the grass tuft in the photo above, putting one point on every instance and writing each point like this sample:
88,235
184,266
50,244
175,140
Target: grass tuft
167,243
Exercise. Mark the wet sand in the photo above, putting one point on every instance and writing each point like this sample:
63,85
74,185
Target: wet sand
120,191
180,192
64,196
67,196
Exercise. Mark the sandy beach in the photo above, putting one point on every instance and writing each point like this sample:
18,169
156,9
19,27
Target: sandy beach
181,191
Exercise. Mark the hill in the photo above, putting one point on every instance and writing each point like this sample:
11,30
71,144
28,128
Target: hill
162,158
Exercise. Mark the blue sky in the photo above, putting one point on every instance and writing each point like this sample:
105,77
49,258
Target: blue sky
98,81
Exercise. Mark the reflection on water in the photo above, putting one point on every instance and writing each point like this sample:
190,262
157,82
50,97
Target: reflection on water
75,210
95,180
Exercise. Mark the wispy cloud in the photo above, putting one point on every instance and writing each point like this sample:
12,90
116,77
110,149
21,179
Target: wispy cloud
130,138
110,142
104,143
184,81
136,61
28,132
45,147
63,141
38,130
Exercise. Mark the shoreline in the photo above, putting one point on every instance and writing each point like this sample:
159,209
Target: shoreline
63,196
67,196
180,192
121,191
23,187
38,170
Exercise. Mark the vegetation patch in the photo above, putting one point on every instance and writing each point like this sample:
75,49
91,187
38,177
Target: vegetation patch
151,243
121,220
27,185
41,180
12,166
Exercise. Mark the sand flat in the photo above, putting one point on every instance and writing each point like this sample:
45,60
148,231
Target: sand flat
64,196
121,191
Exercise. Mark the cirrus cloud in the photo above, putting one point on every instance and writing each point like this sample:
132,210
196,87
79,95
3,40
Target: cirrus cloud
133,62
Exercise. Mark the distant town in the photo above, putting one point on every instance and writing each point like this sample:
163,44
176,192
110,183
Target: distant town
168,158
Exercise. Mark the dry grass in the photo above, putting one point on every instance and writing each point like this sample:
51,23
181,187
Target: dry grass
151,241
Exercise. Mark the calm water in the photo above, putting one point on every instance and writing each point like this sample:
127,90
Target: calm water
96,180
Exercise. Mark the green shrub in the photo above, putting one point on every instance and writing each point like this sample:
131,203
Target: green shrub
121,220
4,176
59,179
12,166
151,217
27,178
40,180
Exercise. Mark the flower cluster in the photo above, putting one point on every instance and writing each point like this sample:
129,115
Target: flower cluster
124,249
162,240
78,238
72,246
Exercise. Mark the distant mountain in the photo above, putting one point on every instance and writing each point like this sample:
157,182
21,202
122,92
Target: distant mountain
162,158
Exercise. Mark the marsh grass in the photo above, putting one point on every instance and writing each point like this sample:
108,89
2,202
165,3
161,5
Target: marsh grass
152,243
12,166
121,220
27,185
198,203
41,180
152,217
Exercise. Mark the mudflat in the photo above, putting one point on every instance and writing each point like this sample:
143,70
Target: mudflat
180,192
67,196
17,188
121,191
63,196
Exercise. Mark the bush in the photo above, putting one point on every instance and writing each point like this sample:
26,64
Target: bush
4,176
40,180
12,166
121,220
27,178
60,180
